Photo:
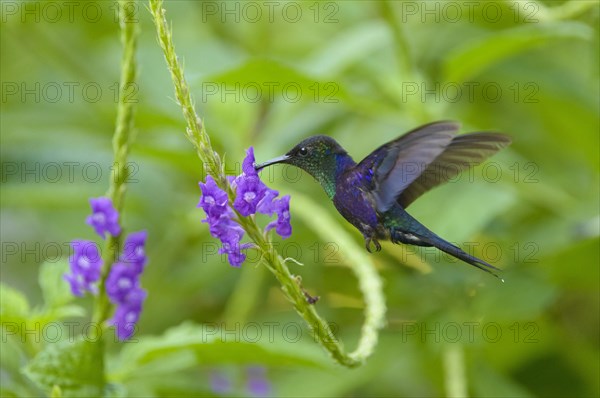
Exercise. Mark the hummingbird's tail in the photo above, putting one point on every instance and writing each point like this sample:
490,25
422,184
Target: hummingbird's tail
428,238
457,252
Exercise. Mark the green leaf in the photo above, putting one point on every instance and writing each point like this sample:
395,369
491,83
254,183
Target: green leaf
67,311
349,47
487,382
77,368
55,289
56,392
12,347
268,79
57,295
13,304
470,206
477,55
521,297
190,345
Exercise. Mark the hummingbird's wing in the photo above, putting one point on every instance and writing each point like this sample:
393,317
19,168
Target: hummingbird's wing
392,167
463,152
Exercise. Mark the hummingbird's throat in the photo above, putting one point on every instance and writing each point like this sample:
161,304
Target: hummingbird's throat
327,181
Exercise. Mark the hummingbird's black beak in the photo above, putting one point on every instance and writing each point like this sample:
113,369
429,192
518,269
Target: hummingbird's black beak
280,159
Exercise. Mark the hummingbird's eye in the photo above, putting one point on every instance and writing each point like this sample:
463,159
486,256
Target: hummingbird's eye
303,151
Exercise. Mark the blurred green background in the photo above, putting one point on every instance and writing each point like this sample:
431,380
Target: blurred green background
269,74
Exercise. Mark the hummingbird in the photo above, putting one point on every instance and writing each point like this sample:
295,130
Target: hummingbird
373,194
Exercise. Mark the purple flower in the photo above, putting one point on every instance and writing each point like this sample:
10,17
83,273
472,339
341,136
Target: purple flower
230,234
123,285
232,182
234,252
267,204
104,217
282,225
127,314
252,196
250,190
121,280
258,385
248,163
85,266
133,250
220,383
226,230
213,200
77,283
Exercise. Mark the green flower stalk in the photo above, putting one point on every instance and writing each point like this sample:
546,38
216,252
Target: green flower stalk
195,130
122,139
290,283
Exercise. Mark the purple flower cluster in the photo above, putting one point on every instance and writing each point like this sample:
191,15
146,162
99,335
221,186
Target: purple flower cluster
252,196
122,284
86,263
220,383
85,266
221,225
257,383
104,218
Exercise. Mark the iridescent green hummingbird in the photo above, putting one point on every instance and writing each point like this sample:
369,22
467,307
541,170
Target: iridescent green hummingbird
373,194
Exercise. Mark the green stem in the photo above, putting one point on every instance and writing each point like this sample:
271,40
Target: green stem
122,139
454,371
368,280
408,71
402,48
195,130
213,164
293,292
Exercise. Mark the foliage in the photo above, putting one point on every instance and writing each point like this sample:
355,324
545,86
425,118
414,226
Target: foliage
365,72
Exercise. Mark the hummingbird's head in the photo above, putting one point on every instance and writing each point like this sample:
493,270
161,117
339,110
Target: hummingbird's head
317,155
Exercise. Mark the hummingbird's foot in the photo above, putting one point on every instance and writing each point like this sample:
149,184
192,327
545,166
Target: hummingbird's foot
368,241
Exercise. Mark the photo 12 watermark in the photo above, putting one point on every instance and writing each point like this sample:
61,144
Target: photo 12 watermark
53,12
70,92
248,332
270,11
468,11
270,91
492,252
67,172
327,253
470,92
20,252
469,332
490,171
